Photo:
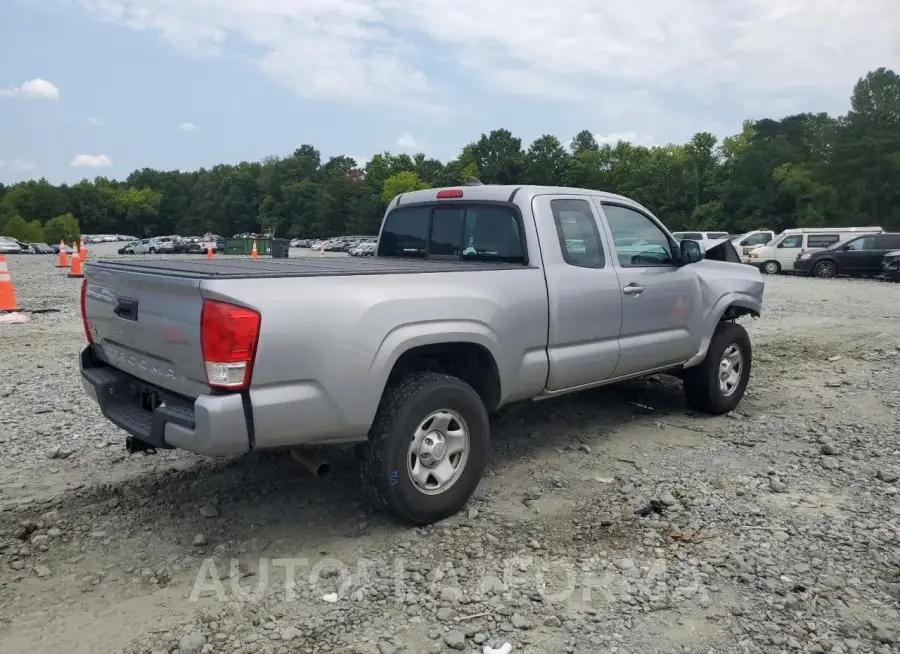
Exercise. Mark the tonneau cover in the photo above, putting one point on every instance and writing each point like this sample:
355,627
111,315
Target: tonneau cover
226,268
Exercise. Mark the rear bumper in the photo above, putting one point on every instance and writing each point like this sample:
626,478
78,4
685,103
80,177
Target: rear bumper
211,425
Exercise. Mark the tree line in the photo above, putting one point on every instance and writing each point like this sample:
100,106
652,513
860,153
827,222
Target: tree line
809,169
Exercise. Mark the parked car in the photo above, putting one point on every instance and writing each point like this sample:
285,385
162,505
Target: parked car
41,248
56,248
157,245
858,255
706,239
187,246
11,246
748,241
780,255
362,250
890,265
458,315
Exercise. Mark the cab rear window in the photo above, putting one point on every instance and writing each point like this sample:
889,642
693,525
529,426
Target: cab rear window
465,231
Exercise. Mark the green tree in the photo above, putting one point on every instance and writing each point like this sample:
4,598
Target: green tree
62,228
402,182
777,172
546,161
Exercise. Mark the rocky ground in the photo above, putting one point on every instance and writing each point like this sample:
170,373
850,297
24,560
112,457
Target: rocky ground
613,521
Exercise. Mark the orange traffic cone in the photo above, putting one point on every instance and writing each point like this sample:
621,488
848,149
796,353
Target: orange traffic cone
7,296
82,252
321,252
209,254
63,258
254,254
75,272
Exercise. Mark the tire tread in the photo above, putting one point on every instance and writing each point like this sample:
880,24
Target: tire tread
371,455
700,382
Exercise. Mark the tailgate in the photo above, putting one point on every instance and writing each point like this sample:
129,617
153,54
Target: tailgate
147,325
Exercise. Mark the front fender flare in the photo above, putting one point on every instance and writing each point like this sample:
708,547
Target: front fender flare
744,302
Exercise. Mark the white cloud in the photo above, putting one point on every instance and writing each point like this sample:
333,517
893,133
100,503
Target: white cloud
96,122
188,127
34,89
91,161
632,63
360,161
408,142
630,137
22,166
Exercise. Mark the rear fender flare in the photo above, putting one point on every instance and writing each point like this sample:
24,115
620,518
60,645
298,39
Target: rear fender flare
411,335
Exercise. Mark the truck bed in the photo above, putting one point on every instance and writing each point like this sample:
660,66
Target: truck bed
299,267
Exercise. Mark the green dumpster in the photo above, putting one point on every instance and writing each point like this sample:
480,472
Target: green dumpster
281,248
244,246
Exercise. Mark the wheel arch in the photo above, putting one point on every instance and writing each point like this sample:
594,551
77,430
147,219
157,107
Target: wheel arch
462,348
728,309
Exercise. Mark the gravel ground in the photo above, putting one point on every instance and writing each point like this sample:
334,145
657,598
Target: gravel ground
610,521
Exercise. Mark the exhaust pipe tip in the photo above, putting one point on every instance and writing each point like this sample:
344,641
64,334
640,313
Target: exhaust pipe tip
315,465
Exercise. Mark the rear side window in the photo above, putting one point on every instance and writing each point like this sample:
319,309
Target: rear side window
690,236
821,240
887,242
716,235
405,233
862,243
579,238
468,231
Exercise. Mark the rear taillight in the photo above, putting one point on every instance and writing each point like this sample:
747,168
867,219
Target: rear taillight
228,337
84,320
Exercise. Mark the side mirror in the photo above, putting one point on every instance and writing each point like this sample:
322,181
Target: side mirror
691,252
845,248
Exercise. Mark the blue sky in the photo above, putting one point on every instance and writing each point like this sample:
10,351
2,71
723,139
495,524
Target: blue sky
92,87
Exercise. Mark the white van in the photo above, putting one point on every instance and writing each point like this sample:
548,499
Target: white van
705,239
779,255
747,242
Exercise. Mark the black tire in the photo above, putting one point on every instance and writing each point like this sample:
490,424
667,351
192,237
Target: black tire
152,251
771,267
701,383
383,460
826,269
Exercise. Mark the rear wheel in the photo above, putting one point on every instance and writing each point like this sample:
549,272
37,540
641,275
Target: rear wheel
427,448
825,270
717,385
771,267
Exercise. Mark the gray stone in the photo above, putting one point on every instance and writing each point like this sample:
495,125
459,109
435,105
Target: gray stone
191,643
667,498
455,639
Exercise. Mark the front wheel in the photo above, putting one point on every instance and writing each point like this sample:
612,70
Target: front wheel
427,448
825,270
152,251
771,267
717,385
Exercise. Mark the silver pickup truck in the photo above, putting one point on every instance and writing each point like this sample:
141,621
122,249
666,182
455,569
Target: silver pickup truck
479,296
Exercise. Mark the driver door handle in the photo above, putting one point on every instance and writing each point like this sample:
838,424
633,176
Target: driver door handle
633,289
